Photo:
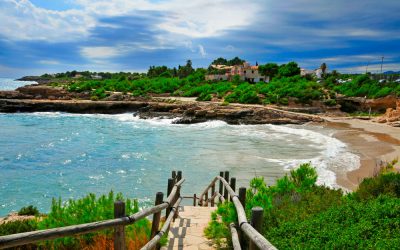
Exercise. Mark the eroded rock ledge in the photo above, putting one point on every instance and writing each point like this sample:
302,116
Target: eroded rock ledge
185,113
41,98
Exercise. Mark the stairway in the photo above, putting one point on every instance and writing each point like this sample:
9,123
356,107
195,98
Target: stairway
187,230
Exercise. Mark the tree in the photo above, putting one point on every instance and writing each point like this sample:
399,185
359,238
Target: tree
184,71
155,71
323,68
269,69
220,61
288,70
235,61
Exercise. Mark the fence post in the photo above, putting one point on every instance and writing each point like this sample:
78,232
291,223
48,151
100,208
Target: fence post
178,194
194,200
242,196
119,232
221,190
257,222
173,174
212,194
233,184
226,177
169,189
206,198
156,217
179,176
242,199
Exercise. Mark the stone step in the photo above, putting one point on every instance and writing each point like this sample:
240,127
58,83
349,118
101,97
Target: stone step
187,232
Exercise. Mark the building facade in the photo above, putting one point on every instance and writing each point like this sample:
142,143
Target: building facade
246,72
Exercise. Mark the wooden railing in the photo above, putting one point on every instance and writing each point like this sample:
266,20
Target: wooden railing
227,192
118,224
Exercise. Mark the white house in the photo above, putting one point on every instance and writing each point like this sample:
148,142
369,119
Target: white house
245,71
316,72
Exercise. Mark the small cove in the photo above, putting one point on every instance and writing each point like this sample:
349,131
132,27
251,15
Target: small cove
46,155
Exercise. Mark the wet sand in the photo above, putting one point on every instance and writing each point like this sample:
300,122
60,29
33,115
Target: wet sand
373,142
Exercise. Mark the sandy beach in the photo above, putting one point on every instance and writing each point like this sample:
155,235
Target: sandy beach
373,142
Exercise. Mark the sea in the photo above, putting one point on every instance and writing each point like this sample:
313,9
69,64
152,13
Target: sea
50,155
12,84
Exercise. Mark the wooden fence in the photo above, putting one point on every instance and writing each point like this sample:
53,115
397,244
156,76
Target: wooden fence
118,223
227,192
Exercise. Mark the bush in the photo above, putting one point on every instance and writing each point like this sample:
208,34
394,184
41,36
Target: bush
351,225
330,102
300,215
29,210
90,209
386,183
19,226
204,97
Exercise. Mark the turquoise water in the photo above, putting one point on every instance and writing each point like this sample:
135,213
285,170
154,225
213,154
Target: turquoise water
45,155
11,84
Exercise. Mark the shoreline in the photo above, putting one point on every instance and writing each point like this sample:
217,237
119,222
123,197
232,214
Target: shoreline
374,143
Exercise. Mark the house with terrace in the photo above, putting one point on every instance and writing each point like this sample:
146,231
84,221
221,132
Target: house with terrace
245,71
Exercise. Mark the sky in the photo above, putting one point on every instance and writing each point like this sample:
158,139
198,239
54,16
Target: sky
49,36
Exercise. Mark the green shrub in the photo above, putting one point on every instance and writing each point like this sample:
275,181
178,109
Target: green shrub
204,97
225,103
386,183
90,209
374,224
330,102
29,210
19,226
301,215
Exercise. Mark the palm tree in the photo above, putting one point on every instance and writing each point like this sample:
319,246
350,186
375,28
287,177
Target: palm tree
323,68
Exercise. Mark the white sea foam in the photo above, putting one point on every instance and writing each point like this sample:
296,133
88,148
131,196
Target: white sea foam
96,177
333,154
209,124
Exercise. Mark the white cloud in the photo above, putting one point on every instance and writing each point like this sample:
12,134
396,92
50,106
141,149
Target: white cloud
207,18
21,20
49,62
103,52
373,68
202,51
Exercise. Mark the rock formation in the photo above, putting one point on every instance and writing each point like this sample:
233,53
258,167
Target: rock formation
392,116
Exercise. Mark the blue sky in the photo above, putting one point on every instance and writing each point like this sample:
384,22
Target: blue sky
39,36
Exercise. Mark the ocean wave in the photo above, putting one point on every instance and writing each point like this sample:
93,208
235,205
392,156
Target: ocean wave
334,155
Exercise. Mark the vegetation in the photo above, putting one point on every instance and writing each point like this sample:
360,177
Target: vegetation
286,84
301,215
363,85
29,210
84,210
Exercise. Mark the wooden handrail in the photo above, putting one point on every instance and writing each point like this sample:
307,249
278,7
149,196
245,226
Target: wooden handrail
235,237
244,225
19,239
153,242
206,190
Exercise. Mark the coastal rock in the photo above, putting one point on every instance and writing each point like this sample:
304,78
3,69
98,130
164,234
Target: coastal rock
15,217
185,112
392,116
14,95
353,104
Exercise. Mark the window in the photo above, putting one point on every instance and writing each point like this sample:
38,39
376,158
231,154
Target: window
245,71
252,71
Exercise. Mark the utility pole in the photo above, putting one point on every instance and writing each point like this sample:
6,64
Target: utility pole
366,69
382,67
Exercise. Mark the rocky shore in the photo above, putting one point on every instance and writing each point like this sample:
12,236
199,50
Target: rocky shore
41,98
